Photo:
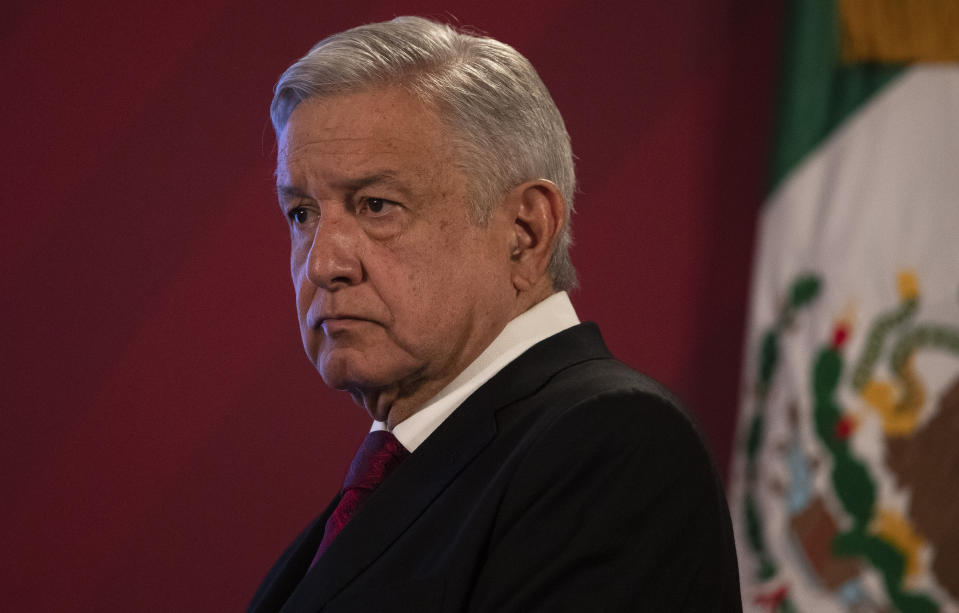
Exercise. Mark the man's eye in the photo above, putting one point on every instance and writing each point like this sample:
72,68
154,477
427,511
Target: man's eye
376,206
298,215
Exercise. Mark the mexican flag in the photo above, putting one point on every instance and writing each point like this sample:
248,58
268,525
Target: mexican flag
845,484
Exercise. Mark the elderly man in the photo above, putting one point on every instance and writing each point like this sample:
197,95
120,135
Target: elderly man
513,464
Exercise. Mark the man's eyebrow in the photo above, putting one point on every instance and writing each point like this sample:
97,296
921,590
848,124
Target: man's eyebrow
290,192
386,177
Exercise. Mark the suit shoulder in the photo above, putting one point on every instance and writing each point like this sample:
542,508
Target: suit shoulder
613,470
609,374
608,390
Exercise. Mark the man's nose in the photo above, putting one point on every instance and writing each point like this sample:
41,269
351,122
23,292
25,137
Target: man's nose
334,258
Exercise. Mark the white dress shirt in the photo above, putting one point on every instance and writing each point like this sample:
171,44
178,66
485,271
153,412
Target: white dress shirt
543,320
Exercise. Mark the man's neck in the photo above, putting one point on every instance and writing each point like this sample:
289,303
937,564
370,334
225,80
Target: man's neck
545,319
397,403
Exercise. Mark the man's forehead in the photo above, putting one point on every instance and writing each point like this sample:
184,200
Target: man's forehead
385,134
365,113
339,129
353,162
303,135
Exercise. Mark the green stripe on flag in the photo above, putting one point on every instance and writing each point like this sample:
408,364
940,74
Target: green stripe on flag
817,91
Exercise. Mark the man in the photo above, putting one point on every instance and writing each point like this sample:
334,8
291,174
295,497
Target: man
427,179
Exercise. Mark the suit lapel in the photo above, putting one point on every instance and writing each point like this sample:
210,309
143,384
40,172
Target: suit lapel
291,566
392,508
413,486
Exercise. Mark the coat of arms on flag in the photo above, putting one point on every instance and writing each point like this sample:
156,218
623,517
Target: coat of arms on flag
845,493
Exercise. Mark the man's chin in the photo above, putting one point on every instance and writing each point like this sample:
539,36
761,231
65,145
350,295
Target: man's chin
377,401
375,392
348,376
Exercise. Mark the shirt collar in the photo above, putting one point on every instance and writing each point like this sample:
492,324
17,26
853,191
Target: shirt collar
544,319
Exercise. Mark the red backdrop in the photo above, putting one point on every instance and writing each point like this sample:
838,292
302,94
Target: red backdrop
163,436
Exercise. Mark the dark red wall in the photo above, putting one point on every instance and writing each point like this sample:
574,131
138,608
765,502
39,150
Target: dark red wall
163,437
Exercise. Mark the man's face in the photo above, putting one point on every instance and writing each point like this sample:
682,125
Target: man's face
397,289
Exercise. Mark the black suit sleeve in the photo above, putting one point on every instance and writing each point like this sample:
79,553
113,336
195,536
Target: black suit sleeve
617,507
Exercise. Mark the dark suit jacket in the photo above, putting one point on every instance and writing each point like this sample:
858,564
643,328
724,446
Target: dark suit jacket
568,482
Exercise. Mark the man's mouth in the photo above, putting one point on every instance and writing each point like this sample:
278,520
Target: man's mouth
341,322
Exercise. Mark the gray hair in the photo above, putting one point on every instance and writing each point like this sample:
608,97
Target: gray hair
505,124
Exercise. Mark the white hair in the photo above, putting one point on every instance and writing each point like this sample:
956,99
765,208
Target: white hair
504,123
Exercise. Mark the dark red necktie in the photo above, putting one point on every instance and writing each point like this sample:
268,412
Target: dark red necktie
379,454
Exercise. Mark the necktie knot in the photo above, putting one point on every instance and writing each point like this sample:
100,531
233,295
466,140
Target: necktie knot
379,454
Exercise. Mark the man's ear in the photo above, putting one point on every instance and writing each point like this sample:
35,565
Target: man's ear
539,212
